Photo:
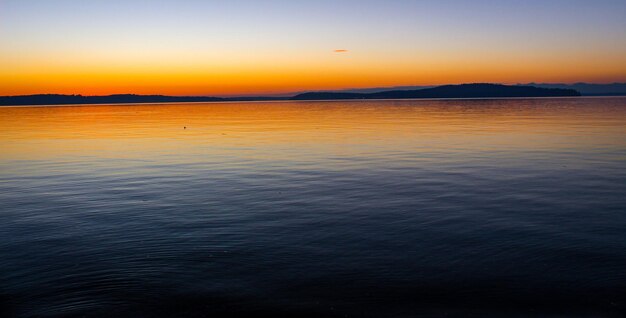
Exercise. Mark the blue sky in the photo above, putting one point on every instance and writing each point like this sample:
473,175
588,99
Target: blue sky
503,41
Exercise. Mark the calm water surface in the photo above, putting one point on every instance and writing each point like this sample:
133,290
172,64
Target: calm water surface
357,209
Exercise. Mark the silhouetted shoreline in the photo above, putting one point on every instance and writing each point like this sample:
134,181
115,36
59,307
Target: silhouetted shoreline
448,91
445,91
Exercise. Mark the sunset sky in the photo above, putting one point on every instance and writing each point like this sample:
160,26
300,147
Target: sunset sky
266,47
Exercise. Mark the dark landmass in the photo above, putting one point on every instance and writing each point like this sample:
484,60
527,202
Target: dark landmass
585,89
54,99
379,89
448,91
613,89
57,99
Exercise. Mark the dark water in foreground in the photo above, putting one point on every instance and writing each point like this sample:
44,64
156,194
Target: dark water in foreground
358,209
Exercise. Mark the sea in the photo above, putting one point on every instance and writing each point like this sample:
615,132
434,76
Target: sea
367,208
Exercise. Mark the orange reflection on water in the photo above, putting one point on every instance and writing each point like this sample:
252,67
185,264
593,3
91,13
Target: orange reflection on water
274,130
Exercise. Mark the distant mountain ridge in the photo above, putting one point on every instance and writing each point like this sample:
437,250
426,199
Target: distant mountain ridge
57,99
479,90
587,89
379,89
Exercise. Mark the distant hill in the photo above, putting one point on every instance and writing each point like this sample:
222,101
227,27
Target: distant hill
585,89
612,89
54,99
447,91
381,89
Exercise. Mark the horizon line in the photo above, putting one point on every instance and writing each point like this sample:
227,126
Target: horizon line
313,90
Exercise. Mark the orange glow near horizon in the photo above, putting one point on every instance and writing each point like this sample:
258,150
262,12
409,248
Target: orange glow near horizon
351,72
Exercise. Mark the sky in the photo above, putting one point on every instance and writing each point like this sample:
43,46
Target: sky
239,47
